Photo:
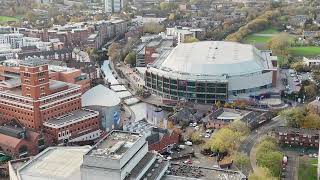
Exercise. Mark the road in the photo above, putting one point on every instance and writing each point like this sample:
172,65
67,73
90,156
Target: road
247,145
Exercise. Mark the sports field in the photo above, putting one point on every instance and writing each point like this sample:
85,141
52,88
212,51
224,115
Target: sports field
261,37
305,51
7,18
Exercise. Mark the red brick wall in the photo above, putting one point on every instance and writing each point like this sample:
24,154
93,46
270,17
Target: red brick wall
166,140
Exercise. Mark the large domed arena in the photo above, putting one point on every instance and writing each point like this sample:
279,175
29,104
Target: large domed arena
210,71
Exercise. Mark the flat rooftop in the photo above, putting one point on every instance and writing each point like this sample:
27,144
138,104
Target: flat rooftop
69,118
55,163
33,62
115,144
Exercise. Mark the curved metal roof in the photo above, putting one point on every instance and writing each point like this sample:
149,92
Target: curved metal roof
213,58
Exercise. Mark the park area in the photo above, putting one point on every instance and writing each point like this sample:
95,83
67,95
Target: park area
7,18
307,168
260,39
305,51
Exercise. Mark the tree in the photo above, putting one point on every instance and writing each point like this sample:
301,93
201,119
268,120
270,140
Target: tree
293,116
190,39
195,137
61,20
153,28
312,120
310,91
280,43
241,160
272,161
114,51
217,104
239,127
172,16
225,140
269,156
261,174
130,59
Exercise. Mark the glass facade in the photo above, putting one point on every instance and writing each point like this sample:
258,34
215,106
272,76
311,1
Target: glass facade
196,91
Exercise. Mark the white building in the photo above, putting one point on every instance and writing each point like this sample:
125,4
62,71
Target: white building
122,155
311,61
107,102
14,39
182,33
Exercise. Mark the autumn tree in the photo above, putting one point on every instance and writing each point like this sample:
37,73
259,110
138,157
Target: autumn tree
293,116
280,43
114,51
261,174
153,28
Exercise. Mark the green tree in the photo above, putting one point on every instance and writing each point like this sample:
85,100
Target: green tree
261,174
310,91
130,59
225,140
293,116
272,161
241,160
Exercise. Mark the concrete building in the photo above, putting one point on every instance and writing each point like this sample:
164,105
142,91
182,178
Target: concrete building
113,6
122,155
106,102
54,163
182,33
210,71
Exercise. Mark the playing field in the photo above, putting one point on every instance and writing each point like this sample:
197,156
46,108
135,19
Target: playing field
305,51
307,168
7,18
261,37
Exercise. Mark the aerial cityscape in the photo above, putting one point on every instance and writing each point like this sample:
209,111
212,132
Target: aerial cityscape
159,89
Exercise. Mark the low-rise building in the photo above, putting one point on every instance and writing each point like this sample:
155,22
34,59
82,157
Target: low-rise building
297,137
314,61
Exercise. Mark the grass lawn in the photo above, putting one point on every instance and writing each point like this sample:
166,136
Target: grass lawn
269,31
307,168
7,18
259,36
305,51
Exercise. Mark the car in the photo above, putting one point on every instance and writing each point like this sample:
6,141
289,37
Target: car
209,131
187,161
207,136
188,143
196,128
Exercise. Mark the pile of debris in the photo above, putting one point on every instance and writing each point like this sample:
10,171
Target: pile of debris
186,170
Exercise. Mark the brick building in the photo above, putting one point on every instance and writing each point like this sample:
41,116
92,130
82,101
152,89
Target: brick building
43,105
297,137
10,75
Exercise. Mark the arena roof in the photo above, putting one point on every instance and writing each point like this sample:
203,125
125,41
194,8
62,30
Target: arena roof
213,58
